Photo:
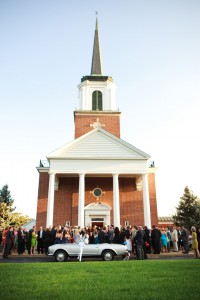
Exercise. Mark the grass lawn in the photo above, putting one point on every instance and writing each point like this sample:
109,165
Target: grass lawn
151,279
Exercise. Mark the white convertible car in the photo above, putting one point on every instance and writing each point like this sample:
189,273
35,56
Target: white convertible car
107,252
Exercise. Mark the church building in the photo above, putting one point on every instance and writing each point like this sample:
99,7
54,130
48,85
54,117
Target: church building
98,178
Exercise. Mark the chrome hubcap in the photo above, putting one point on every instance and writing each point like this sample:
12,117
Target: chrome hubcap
60,256
108,256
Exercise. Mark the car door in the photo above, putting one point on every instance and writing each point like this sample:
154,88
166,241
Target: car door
91,250
72,249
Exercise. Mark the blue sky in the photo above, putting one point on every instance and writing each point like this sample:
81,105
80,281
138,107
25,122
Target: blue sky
152,51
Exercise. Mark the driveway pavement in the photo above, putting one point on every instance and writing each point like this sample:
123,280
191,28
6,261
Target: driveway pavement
26,258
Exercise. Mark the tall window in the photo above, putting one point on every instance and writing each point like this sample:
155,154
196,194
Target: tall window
97,100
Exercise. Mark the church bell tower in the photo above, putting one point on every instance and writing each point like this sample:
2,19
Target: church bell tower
97,102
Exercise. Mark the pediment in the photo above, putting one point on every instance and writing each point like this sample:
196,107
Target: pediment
98,144
97,207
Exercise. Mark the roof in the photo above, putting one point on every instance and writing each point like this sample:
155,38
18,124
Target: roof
98,144
165,219
30,224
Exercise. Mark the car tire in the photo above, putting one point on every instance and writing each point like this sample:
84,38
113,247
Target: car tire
60,256
108,255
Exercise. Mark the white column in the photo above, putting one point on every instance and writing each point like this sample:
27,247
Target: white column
50,205
116,207
81,200
146,203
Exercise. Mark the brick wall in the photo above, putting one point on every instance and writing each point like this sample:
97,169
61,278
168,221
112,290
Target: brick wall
66,199
63,202
131,202
75,188
83,121
42,199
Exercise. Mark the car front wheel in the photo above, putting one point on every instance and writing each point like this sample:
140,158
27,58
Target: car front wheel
60,256
108,255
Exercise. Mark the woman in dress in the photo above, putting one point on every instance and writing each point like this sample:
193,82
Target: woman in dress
33,241
194,242
58,239
76,235
198,238
68,236
81,245
164,240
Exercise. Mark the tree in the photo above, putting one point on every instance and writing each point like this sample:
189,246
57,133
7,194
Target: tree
18,219
188,210
7,215
5,195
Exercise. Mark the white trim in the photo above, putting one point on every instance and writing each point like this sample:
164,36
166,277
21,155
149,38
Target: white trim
97,166
146,202
81,200
116,205
50,204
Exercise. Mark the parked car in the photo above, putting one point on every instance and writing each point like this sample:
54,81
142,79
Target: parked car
107,252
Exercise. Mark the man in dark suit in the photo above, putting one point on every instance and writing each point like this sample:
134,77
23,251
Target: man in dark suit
101,236
155,238
139,241
47,239
7,243
184,239
53,234
21,240
40,240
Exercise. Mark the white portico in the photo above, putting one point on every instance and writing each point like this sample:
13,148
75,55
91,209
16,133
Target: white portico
98,153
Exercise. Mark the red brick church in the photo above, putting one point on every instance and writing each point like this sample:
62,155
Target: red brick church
98,179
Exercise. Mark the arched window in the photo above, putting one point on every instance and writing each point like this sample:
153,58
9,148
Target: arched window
97,100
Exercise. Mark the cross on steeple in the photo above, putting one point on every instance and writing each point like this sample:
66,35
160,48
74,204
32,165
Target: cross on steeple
97,124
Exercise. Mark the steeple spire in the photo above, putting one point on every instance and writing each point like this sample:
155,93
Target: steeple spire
96,68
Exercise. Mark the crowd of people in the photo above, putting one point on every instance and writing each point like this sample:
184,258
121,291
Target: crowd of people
139,241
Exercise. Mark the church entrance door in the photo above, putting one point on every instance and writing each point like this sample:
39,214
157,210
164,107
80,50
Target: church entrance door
98,224
97,214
